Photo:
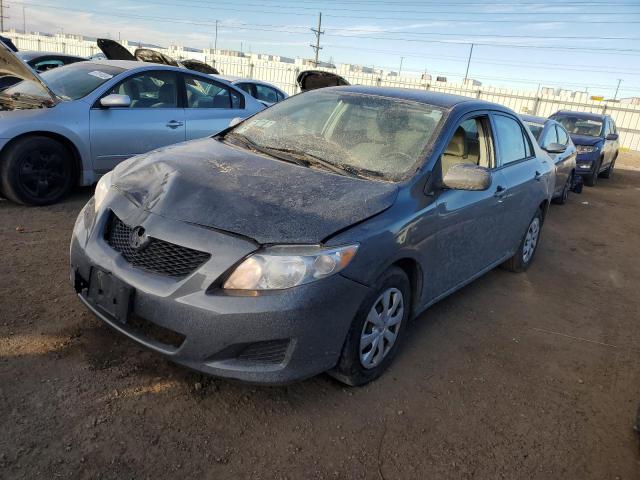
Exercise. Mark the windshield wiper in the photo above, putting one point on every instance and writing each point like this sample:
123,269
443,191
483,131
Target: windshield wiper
272,152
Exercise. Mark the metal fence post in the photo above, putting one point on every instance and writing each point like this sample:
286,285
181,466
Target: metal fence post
536,105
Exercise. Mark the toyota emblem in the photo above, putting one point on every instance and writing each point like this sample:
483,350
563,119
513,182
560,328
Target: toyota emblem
138,239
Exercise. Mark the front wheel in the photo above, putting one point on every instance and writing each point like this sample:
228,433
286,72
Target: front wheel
376,330
528,246
36,171
609,171
592,179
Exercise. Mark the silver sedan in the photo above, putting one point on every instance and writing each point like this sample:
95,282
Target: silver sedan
72,124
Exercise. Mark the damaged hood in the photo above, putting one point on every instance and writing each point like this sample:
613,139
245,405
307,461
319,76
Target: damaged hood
13,67
208,183
586,140
113,50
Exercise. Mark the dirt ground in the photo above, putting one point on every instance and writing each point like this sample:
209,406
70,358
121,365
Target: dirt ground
534,375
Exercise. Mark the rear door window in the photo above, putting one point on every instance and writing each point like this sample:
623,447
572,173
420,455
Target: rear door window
205,93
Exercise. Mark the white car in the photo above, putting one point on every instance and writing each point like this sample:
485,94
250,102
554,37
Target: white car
264,92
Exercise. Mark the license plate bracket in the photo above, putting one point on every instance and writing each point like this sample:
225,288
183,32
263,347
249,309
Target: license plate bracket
110,294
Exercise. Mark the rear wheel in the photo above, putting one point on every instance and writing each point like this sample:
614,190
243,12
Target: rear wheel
36,171
528,246
376,331
562,199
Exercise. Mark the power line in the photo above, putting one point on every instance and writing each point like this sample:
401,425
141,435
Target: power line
361,17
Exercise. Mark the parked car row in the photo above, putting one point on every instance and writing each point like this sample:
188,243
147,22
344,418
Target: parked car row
299,240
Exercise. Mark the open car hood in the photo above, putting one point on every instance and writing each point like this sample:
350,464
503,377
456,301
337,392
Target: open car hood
12,66
208,183
152,56
198,66
9,43
113,50
313,79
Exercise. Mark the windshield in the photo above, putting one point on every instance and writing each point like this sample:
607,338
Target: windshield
535,128
366,135
70,82
580,125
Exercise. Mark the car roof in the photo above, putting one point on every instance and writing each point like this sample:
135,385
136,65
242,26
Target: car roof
535,119
436,99
26,56
587,115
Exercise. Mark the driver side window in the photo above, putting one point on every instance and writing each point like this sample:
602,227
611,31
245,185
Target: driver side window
470,144
150,90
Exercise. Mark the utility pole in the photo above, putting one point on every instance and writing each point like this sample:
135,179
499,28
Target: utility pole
468,63
24,20
400,69
215,42
318,32
617,88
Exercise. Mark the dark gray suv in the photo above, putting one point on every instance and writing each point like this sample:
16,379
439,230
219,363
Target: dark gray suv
303,239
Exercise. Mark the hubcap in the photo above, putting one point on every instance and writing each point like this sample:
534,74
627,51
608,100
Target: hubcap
42,173
381,327
531,240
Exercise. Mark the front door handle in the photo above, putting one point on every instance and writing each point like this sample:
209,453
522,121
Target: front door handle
500,192
174,124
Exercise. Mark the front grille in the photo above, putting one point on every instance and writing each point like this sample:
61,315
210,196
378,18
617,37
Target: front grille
157,256
271,352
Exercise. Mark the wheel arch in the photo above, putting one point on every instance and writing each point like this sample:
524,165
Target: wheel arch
413,270
75,152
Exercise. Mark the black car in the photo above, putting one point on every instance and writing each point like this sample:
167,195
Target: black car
596,138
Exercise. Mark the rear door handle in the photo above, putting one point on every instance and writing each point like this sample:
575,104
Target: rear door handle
174,124
537,176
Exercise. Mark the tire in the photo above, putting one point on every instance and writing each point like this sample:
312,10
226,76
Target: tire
36,171
609,171
525,253
351,368
562,199
592,179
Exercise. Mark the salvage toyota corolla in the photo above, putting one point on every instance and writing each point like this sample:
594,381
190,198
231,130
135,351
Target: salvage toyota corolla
303,239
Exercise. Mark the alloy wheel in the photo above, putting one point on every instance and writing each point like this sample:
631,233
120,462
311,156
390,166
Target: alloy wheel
531,240
381,327
42,174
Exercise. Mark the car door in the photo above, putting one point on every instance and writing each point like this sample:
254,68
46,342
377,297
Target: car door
524,175
565,161
210,106
550,135
468,240
154,119
608,144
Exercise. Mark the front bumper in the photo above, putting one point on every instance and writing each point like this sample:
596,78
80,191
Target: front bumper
586,163
271,338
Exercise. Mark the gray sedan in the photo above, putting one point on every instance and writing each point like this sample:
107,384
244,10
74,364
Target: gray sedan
555,140
304,239
72,124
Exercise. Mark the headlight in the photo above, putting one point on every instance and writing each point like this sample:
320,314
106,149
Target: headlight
102,188
586,149
286,266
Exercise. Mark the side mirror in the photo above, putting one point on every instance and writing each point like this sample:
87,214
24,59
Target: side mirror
555,148
612,136
465,176
115,101
235,121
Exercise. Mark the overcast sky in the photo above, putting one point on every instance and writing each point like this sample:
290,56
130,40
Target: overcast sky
601,39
